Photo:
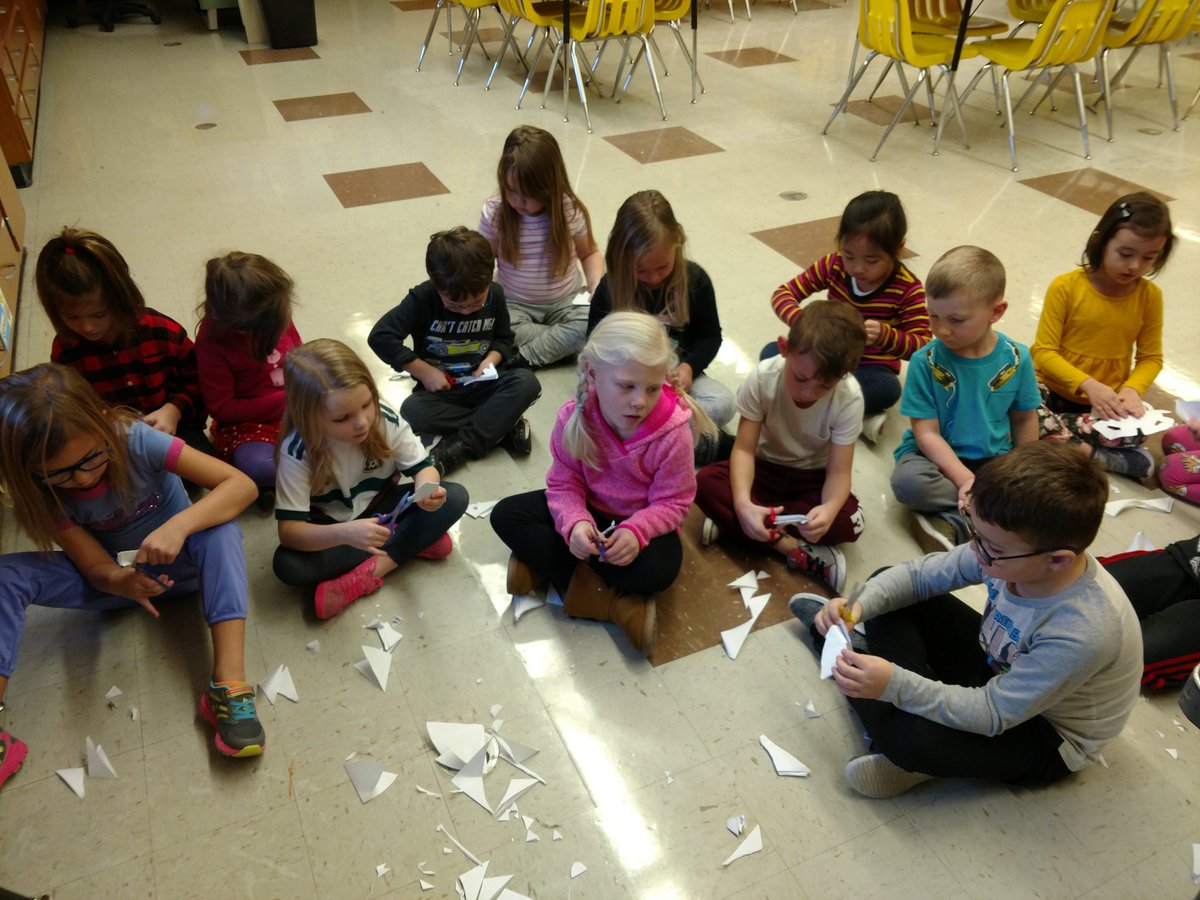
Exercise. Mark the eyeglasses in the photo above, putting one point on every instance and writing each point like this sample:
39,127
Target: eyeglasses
989,560
89,463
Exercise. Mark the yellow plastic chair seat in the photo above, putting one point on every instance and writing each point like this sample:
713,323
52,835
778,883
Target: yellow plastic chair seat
934,50
977,26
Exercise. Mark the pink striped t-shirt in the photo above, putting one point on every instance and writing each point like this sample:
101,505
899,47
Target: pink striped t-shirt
531,280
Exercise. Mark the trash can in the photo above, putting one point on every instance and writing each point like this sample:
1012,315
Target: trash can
290,23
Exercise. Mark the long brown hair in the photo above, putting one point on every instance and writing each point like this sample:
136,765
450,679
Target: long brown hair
76,263
311,372
247,293
533,163
644,223
41,409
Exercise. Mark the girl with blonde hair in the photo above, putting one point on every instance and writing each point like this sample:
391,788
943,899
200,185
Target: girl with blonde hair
340,463
604,532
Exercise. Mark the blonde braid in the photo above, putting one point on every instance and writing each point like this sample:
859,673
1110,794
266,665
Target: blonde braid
575,437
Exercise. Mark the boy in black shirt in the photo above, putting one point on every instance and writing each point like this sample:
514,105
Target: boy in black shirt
459,325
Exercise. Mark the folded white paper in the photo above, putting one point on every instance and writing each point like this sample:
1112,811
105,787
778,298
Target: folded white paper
784,762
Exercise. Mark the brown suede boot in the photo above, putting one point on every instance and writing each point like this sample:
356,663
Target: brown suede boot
590,597
522,579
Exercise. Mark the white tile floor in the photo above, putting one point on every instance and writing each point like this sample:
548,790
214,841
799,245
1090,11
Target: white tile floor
118,151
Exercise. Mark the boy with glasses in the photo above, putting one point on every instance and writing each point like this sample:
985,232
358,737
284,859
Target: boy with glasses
1030,691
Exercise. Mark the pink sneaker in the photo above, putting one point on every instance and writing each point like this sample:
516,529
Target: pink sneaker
439,549
336,594
12,754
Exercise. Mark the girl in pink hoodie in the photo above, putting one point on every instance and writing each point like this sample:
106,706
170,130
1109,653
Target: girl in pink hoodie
620,484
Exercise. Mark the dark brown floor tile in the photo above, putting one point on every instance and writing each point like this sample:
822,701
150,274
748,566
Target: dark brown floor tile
537,85
321,107
693,612
881,109
261,57
487,35
804,242
750,56
1089,188
662,144
412,5
385,184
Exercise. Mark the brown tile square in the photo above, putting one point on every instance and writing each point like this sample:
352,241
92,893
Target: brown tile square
260,57
750,56
804,242
413,5
491,35
692,612
321,107
881,109
537,85
364,187
1089,188
662,144
1191,55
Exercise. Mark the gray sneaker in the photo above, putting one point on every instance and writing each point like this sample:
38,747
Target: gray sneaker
933,532
876,776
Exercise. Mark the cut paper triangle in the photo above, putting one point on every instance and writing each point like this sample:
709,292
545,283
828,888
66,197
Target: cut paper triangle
810,711
456,742
74,779
577,869
752,844
523,603
516,787
471,881
528,821
1141,543
382,869
425,885
736,825
495,710
835,642
1174,754
470,779
747,593
369,779
389,637
491,887
733,638
757,604
376,666
313,646
556,836
507,894
478,510
113,693
761,574
784,762
279,683
530,837
98,765
745,581
514,751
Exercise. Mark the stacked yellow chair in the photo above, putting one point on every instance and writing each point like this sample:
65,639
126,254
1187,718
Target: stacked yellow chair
474,11
669,13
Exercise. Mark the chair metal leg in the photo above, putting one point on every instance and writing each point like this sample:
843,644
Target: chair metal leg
674,26
1165,56
449,27
950,111
879,80
1087,150
662,63
1192,105
921,77
437,11
1106,93
1045,73
587,116
470,32
662,107
904,87
1008,119
1125,65
510,40
550,72
546,38
841,104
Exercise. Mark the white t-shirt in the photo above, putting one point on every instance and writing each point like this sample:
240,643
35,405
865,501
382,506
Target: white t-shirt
531,280
795,437
354,480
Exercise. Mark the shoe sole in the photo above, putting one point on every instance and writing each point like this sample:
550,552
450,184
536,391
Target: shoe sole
708,532
927,537
211,718
322,606
13,760
879,778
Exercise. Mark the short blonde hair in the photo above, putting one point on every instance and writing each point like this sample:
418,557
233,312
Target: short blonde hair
968,270
644,222
311,372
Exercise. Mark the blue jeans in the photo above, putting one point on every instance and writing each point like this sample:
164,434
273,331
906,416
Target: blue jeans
211,562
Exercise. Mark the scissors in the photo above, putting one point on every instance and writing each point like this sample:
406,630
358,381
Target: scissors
603,534
421,493
127,558
774,519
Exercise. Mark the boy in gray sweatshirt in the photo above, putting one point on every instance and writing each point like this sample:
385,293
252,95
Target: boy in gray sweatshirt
1028,692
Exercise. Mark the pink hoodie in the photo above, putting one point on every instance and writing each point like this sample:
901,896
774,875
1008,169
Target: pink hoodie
648,480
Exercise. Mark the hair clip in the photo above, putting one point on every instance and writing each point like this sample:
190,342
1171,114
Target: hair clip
70,251
1125,211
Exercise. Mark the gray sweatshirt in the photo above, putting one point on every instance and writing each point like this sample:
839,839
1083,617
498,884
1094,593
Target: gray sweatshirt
1074,658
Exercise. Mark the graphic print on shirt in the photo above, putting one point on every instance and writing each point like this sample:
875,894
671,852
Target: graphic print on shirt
119,518
449,345
999,636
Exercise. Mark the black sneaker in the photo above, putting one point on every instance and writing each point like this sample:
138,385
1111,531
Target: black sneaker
448,455
520,439
265,500
517,361
230,710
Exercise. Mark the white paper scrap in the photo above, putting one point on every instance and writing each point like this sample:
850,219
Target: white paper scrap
491,887
382,869
425,885
736,825
98,765
113,693
389,637
516,787
467,853
751,844
530,837
1195,863
733,638
670,777
556,836
810,711
523,603
133,713
376,666
1159,733
495,709
761,574
471,882
489,374
1174,754
1150,422
784,762
514,751
747,593
745,581
497,724
1159,504
1140,542
577,869
835,642
369,779
456,742
446,851
470,779
528,821
313,646
479,510
427,792
279,683
74,779
423,868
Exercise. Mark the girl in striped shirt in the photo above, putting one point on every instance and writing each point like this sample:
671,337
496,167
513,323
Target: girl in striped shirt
866,272
541,235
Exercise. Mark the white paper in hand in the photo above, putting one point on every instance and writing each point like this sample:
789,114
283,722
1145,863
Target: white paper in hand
835,642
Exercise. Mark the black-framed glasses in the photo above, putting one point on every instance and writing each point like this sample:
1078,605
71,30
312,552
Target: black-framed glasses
89,463
989,560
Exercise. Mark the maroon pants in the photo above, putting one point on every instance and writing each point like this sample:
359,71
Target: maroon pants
796,490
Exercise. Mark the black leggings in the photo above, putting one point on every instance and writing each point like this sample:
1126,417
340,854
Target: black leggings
524,523
415,531
939,639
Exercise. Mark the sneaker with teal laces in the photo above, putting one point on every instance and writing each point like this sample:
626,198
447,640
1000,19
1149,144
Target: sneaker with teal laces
229,708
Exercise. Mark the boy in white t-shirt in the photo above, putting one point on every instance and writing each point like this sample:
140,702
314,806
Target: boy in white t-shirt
801,413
